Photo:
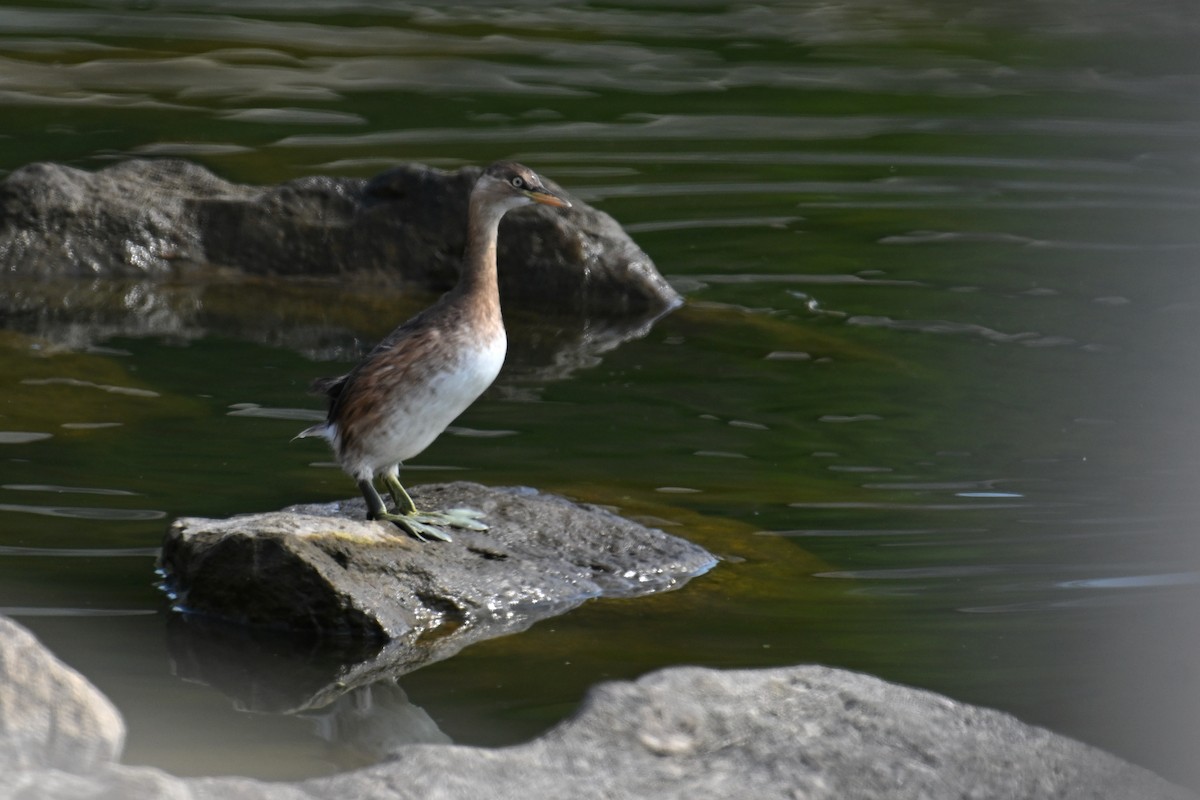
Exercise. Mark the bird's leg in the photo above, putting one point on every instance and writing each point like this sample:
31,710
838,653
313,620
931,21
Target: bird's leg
452,517
409,522
375,507
404,503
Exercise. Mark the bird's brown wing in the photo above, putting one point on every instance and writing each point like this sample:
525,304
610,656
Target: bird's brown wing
412,339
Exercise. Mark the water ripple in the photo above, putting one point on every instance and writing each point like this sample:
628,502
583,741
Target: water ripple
974,237
1136,581
938,326
478,433
835,505
80,552
758,278
37,487
76,512
719,454
22,437
1041,606
869,532
965,488
193,149
844,418
705,224
125,390
644,127
293,116
910,573
266,412
776,158
58,611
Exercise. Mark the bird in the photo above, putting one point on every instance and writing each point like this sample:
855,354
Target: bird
425,373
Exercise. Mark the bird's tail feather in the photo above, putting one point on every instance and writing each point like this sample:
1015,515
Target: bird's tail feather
321,429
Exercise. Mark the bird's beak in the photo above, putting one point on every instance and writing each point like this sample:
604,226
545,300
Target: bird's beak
547,198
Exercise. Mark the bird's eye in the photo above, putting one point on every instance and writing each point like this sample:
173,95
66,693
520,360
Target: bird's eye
518,182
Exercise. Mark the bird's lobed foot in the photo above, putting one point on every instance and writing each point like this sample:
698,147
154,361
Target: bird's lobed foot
426,525
466,518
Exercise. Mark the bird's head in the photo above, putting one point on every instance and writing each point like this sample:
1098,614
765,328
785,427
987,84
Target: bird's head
509,184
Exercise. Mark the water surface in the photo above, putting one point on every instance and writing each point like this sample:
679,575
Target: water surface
932,396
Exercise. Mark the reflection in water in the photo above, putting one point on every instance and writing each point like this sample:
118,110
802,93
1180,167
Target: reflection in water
321,321
374,721
345,687
265,671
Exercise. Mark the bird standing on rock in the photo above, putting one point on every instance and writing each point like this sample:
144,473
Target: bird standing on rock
415,382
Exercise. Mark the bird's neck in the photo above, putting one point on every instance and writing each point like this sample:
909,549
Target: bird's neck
478,279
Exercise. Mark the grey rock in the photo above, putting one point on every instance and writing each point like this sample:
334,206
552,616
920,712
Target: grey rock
144,218
50,716
129,219
798,732
802,732
325,570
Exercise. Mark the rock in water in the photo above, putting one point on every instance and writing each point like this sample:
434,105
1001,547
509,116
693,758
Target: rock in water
139,218
325,569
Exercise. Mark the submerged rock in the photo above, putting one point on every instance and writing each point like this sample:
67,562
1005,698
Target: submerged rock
142,218
325,570
796,732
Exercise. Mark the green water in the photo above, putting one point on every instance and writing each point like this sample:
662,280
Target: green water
932,397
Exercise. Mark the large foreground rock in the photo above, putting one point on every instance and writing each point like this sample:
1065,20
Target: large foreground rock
50,716
143,218
325,570
804,732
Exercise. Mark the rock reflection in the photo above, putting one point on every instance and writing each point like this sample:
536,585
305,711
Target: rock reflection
372,721
320,320
336,684
264,671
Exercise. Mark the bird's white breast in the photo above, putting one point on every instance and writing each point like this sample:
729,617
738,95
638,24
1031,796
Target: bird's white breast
426,407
